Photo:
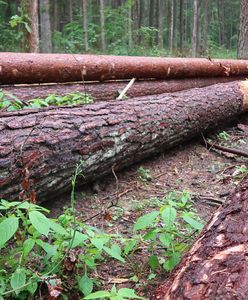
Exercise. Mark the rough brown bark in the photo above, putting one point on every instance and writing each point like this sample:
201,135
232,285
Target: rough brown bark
38,68
243,31
45,145
216,267
30,7
110,90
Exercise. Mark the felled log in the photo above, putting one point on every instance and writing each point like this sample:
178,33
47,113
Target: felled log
45,145
37,68
216,266
109,90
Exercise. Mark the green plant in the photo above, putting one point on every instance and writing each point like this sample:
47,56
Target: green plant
144,174
172,227
10,102
224,136
114,294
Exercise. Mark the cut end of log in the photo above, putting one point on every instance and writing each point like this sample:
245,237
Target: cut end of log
244,90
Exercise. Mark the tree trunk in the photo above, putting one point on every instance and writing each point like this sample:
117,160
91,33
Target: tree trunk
85,25
45,27
160,23
181,25
216,266
38,68
174,29
243,31
42,147
195,29
30,7
102,27
206,26
110,90
169,25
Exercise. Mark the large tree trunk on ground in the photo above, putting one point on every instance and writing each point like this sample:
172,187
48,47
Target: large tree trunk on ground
45,145
216,267
110,90
38,68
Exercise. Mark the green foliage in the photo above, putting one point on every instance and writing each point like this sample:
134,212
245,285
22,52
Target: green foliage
224,136
10,102
114,294
144,174
172,227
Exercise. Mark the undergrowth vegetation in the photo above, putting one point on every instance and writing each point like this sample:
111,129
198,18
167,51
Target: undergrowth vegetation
61,256
10,102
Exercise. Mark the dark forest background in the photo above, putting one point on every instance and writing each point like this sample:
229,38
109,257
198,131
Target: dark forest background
124,27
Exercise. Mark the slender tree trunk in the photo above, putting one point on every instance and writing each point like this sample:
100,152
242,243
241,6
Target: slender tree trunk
130,23
174,25
45,27
181,18
170,13
160,23
85,25
30,7
243,31
102,26
195,29
221,12
206,26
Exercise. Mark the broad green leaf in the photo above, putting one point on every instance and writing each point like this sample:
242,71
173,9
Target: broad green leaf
172,261
57,228
40,222
32,287
98,295
128,293
146,220
18,279
28,246
115,252
85,285
8,228
165,239
79,239
153,262
130,246
151,234
99,242
169,215
192,222
2,286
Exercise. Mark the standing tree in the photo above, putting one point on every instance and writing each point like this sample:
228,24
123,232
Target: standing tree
181,25
30,8
102,26
243,31
45,26
85,25
160,24
195,29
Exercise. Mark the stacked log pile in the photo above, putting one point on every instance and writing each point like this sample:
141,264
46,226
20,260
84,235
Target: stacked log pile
42,147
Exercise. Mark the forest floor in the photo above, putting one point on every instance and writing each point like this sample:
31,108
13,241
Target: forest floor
208,174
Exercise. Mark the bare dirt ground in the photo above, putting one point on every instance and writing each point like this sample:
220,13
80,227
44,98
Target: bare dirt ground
210,176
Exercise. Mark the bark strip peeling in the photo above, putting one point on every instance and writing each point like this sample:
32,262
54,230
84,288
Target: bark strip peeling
110,90
48,143
44,68
216,267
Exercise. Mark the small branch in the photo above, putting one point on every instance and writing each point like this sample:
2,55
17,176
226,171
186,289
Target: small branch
122,94
224,149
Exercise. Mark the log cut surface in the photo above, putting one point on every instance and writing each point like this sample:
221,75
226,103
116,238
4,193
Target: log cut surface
110,90
48,143
216,267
